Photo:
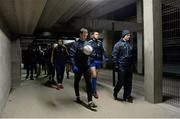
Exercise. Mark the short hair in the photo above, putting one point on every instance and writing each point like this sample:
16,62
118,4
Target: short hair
83,30
52,44
60,38
95,32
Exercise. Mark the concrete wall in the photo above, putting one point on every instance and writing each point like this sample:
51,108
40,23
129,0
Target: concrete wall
5,68
15,63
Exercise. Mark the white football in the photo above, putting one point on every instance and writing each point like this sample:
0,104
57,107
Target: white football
87,49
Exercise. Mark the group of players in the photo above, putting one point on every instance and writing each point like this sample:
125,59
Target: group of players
59,56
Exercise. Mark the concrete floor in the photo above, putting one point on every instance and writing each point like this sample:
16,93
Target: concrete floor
171,86
33,99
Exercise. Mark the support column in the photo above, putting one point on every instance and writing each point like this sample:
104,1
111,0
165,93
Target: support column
16,63
140,59
107,42
153,50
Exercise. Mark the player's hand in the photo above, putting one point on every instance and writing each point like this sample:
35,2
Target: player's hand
75,69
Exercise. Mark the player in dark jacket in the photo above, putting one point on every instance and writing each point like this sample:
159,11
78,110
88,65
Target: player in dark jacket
123,60
50,66
60,55
96,59
31,61
81,66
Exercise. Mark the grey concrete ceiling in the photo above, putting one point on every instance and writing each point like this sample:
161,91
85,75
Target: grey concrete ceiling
21,16
25,16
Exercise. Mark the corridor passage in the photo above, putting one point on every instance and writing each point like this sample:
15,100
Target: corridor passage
34,99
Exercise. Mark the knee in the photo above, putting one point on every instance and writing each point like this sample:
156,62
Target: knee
93,73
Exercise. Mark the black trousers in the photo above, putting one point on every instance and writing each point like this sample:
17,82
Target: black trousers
30,67
124,79
60,73
51,71
87,77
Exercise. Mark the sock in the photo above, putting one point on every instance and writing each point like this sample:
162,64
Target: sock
94,84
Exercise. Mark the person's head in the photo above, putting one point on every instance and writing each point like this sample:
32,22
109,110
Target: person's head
55,45
95,35
52,45
83,33
126,35
48,45
60,42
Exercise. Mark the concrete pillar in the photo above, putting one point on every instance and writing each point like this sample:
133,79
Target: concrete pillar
108,45
15,63
153,50
140,59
